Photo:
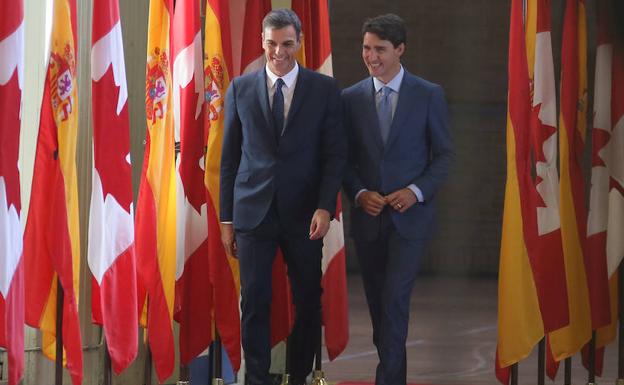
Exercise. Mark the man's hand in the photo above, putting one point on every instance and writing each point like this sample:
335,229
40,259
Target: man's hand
227,237
372,202
401,200
320,224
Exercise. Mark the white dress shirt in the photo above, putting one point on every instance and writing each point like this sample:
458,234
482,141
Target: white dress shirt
288,89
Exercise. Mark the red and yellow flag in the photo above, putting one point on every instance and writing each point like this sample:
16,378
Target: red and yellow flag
316,42
520,324
252,54
224,272
51,239
156,207
194,297
11,262
567,341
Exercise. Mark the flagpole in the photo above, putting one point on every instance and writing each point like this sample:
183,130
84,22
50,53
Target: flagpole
286,377
514,374
107,365
620,379
591,370
217,378
319,376
184,375
567,365
148,363
541,362
59,333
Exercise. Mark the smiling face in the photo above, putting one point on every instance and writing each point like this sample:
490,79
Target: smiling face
382,59
280,49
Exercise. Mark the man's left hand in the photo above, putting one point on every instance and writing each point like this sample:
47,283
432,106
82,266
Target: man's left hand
401,200
320,224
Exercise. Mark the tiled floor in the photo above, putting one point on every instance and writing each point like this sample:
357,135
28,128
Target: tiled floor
452,337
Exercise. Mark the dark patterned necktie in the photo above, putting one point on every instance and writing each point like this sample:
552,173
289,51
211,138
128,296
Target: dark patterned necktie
278,109
384,112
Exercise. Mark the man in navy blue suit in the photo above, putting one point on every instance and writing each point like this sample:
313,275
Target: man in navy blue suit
283,160
400,151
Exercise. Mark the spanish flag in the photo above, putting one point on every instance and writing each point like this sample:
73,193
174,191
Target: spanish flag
224,272
51,239
568,341
156,207
520,324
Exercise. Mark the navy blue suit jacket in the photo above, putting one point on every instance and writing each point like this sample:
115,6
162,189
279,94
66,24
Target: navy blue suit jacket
419,150
303,172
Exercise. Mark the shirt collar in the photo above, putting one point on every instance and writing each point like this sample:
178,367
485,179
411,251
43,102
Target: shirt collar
394,84
289,78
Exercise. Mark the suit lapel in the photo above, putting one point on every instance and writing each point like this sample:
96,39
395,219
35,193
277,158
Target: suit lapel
401,112
368,94
300,90
263,97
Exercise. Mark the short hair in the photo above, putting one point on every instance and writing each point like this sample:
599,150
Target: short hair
282,18
387,27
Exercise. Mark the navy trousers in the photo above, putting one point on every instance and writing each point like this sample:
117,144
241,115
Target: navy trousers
389,266
256,251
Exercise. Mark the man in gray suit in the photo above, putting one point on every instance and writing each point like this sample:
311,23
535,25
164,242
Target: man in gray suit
400,151
283,160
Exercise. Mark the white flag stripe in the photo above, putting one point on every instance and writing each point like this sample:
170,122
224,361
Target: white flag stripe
615,226
10,240
602,87
111,230
326,68
186,66
255,65
597,216
106,52
333,242
544,97
10,61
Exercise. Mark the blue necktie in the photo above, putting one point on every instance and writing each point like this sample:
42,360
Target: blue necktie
278,109
384,112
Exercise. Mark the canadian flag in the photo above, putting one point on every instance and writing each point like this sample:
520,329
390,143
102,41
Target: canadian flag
111,253
605,221
11,266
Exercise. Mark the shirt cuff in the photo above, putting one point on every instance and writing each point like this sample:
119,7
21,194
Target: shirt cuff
417,192
226,223
355,203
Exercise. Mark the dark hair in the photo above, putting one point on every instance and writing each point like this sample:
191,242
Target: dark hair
387,27
282,18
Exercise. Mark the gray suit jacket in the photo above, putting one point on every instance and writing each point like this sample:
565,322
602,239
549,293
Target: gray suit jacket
302,172
419,150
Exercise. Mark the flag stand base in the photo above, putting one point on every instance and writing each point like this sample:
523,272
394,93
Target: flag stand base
591,383
216,381
619,381
183,383
286,379
319,378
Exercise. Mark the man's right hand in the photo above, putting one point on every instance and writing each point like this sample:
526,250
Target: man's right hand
372,202
227,237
